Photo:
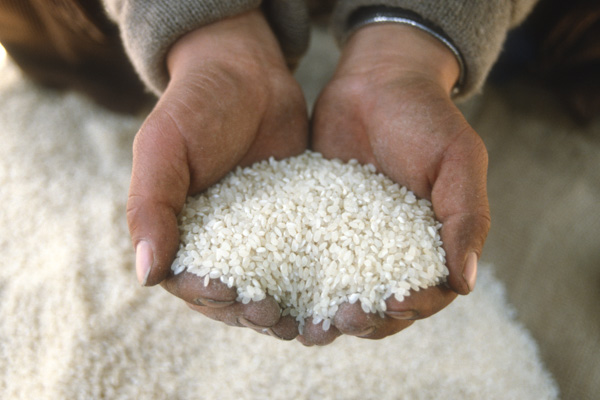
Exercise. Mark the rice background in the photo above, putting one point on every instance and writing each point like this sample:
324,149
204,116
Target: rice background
74,323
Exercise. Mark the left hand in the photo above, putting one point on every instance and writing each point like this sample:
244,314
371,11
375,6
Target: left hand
389,104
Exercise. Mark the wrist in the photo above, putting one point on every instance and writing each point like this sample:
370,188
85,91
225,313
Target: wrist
239,40
399,49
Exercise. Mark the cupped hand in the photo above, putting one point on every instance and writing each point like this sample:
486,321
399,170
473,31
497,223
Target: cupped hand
389,104
231,100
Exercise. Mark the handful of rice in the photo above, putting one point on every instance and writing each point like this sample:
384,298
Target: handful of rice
313,234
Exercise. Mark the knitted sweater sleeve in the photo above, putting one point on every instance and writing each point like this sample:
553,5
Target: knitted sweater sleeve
150,27
477,28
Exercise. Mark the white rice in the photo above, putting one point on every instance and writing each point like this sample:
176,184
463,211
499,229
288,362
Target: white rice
313,233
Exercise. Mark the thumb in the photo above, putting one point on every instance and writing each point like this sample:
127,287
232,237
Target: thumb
460,202
158,189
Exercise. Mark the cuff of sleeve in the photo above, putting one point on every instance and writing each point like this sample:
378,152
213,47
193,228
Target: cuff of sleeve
476,30
381,14
150,27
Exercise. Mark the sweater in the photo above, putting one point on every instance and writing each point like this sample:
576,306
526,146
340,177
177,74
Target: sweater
149,28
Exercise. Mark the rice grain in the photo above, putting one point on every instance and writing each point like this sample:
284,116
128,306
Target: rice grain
313,233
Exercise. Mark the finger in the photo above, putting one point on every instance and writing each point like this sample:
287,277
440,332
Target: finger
256,315
388,327
314,334
263,313
285,329
216,314
158,189
421,304
460,202
351,320
192,289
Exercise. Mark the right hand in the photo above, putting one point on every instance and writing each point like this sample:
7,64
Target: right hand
231,100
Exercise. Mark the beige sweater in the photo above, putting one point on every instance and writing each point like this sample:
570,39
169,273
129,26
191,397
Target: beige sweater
149,27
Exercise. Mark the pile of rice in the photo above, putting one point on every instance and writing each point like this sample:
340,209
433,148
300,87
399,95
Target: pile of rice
313,234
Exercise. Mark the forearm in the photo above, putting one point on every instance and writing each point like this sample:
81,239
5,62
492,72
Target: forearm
477,29
244,41
150,27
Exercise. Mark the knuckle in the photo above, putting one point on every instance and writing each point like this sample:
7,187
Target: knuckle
134,205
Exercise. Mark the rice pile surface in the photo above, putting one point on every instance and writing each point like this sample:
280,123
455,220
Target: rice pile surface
313,233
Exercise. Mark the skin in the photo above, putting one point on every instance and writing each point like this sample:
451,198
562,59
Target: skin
231,100
387,104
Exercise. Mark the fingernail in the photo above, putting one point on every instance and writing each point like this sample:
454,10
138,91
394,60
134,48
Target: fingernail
366,332
272,333
403,315
470,271
201,301
243,321
144,258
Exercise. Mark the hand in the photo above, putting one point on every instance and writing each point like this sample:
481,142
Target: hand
230,101
389,104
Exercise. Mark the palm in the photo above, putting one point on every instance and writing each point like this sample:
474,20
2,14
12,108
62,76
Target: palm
213,140
226,106
412,132
221,119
